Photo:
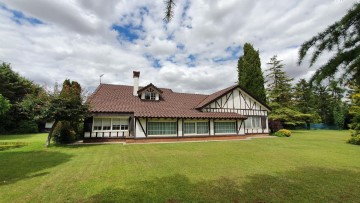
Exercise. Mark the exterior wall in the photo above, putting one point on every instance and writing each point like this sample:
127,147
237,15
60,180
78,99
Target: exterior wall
240,102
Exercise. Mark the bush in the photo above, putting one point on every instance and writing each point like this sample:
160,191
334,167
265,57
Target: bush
354,140
26,127
275,126
283,133
64,133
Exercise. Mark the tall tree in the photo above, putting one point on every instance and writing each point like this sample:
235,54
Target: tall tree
279,87
355,111
15,88
67,106
250,75
343,38
280,97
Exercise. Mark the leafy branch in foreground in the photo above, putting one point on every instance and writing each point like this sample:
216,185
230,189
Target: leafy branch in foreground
343,38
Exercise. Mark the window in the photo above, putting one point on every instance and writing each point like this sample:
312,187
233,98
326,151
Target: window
225,127
161,128
124,127
196,128
116,124
106,123
202,127
248,122
111,124
189,128
253,122
256,122
150,95
97,124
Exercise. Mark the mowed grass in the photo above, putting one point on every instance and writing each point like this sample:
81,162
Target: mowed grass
310,166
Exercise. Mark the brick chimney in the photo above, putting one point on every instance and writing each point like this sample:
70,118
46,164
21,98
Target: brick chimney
136,75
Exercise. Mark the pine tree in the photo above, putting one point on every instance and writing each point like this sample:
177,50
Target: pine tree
250,76
343,38
279,88
280,97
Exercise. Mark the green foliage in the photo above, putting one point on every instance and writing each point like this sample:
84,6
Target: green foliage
13,86
26,126
250,76
343,37
66,106
4,105
354,111
15,89
279,87
64,133
354,140
283,133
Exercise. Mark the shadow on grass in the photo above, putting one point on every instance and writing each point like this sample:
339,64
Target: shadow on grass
11,145
15,166
301,185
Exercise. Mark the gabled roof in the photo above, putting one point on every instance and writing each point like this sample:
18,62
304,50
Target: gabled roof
147,86
213,97
119,99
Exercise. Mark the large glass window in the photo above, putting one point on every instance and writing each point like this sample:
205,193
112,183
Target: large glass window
225,127
202,127
111,124
161,128
189,128
196,128
97,124
253,122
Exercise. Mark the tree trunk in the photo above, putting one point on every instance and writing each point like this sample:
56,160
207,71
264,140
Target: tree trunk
50,133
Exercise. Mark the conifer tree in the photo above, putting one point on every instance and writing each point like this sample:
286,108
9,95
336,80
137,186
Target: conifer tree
250,75
279,88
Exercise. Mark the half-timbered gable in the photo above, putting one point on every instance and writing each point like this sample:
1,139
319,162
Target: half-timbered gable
237,100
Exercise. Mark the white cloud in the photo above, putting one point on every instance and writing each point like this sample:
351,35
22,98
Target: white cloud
76,40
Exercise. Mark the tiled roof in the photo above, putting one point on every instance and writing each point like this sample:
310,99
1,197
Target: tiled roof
119,98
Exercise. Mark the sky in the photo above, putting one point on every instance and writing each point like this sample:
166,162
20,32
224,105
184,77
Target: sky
49,41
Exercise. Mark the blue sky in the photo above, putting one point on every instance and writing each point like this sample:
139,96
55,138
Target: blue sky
49,41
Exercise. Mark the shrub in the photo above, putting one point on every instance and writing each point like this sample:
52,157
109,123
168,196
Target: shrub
275,126
283,133
354,140
64,133
26,127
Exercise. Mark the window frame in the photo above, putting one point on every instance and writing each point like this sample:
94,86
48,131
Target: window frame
123,123
222,122
174,131
196,127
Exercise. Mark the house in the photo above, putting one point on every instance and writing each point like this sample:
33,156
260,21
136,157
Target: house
119,111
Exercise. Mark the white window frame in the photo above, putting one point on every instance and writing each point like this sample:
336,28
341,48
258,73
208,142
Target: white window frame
122,124
225,133
150,95
196,128
147,127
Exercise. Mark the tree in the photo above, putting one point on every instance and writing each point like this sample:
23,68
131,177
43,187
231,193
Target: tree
66,106
250,76
4,105
169,10
342,37
279,87
304,101
280,97
355,111
15,88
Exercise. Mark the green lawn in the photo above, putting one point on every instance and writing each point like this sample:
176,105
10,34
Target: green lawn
310,166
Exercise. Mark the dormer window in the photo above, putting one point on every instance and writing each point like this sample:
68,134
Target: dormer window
150,95
150,92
